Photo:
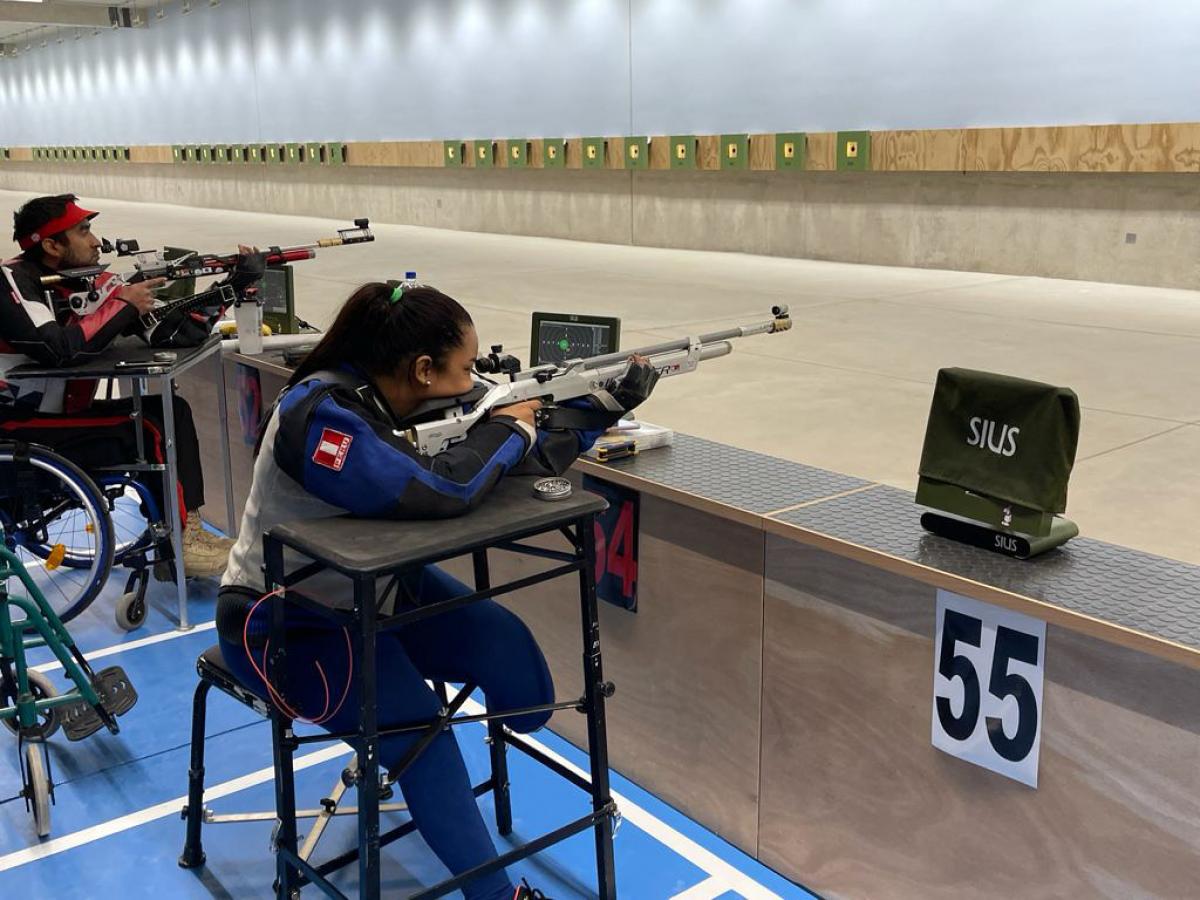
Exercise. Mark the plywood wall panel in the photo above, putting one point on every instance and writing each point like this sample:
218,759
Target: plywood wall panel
1023,150
1161,148
575,153
422,154
821,151
151,153
918,151
762,152
708,153
370,153
1100,148
615,155
536,146
660,152
408,154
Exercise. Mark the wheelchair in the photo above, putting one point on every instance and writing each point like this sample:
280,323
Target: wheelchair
68,529
30,706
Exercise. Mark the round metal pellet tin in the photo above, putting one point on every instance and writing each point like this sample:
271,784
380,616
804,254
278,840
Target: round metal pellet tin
552,488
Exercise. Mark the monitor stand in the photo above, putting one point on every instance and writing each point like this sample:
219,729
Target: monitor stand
988,523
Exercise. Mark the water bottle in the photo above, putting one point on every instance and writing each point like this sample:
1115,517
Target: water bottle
410,280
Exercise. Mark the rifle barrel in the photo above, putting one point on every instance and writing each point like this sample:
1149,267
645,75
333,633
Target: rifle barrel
291,254
770,326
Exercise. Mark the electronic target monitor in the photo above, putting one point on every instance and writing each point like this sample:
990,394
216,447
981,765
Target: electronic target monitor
558,337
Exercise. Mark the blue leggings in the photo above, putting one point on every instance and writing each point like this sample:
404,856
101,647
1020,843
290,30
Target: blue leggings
482,643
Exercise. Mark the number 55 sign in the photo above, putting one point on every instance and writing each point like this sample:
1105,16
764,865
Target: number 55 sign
987,686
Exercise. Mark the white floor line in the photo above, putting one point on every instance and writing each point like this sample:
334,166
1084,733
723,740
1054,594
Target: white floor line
168,808
721,873
705,890
717,868
171,635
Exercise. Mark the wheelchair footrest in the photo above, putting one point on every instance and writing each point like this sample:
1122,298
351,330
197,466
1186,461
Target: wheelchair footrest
117,695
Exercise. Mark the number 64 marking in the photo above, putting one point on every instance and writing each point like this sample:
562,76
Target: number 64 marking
1010,645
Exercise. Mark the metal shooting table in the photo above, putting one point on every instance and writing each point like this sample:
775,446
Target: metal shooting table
366,550
131,358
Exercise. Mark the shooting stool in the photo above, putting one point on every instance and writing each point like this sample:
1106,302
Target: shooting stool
213,672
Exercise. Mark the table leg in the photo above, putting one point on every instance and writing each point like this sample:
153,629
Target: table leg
368,740
171,493
497,748
231,523
138,385
594,692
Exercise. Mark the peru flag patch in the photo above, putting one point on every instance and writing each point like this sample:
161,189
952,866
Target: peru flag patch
332,449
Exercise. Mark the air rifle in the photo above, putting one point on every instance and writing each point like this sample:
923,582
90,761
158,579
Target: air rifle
154,264
442,423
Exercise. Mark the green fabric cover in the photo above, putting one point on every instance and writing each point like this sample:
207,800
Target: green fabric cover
1004,437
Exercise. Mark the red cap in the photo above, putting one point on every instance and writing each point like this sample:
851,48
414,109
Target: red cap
71,217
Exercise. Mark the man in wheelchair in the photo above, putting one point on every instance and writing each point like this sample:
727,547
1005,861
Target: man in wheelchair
55,234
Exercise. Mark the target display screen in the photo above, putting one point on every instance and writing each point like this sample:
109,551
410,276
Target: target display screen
557,338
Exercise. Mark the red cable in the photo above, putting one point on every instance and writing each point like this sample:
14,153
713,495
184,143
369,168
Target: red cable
349,676
275,696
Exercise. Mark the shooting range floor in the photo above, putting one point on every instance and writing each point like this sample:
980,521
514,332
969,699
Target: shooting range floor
848,389
119,798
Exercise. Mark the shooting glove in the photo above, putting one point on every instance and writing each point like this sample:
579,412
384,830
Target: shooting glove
249,272
635,387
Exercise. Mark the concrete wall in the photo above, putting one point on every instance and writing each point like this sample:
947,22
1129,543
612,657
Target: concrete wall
1051,224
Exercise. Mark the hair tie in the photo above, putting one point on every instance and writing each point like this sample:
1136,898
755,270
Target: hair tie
397,293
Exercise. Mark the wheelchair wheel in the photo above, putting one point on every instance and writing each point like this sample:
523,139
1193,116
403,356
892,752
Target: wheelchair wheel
37,789
51,511
132,531
42,688
130,610
133,513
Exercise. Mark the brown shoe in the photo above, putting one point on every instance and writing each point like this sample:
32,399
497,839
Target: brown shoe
206,537
204,555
